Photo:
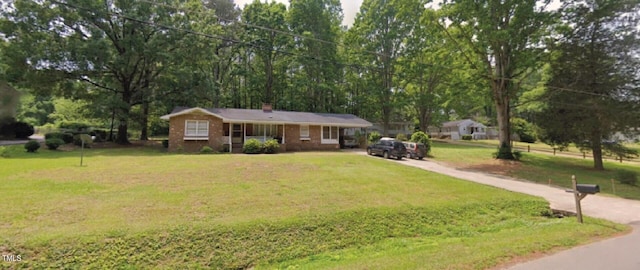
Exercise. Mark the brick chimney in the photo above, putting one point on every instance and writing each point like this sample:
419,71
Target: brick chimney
266,107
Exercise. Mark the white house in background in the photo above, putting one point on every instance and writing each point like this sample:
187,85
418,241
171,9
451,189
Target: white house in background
455,129
633,135
395,128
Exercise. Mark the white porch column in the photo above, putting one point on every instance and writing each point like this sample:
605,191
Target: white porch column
230,137
244,131
284,128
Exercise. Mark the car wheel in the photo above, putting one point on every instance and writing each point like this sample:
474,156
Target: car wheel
385,154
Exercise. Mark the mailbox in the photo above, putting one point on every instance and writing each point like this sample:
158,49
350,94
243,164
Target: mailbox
588,188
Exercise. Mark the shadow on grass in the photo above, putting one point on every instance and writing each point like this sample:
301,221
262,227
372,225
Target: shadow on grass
18,151
540,168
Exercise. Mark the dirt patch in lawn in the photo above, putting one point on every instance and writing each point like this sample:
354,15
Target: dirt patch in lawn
494,166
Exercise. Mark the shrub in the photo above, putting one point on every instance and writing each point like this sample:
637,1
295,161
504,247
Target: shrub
421,137
271,146
525,130
22,130
467,137
374,136
78,139
53,143
32,146
53,135
4,152
252,146
206,150
77,126
11,129
165,143
65,137
626,177
401,137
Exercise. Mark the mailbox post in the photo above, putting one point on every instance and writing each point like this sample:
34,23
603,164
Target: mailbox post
579,192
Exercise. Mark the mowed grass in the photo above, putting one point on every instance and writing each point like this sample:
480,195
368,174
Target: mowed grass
142,208
540,168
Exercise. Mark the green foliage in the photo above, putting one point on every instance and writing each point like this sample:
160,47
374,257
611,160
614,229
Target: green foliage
11,129
423,138
510,27
66,137
626,177
206,150
401,137
22,130
32,146
525,130
74,126
374,136
595,108
504,152
271,146
467,137
252,146
79,139
4,152
53,143
619,150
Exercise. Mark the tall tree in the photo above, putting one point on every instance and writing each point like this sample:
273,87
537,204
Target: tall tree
504,37
594,85
118,47
265,24
380,30
425,70
317,59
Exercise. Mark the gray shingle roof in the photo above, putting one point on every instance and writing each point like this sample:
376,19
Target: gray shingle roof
276,117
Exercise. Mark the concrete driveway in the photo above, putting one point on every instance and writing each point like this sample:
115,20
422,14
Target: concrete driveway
615,253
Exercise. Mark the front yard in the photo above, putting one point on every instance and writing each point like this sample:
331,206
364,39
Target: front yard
141,208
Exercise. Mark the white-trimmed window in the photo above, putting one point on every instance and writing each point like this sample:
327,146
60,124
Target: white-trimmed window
265,130
329,135
196,130
304,132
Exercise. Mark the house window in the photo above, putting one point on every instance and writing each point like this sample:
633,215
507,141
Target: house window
196,129
265,130
329,135
304,131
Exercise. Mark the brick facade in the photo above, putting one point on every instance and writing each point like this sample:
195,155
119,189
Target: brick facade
177,140
292,141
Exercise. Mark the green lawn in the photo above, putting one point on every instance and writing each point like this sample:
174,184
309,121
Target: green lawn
539,168
142,208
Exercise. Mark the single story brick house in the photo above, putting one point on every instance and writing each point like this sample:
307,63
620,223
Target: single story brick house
227,129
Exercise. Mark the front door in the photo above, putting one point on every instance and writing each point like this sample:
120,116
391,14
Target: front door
237,135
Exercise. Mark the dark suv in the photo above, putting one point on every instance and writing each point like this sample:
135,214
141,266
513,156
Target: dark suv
415,150
387,148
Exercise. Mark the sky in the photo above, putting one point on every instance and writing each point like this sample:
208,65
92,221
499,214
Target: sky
349,8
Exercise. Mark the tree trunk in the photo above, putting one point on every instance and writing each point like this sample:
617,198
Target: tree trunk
123,118
145,122
596,147
504,132
122,131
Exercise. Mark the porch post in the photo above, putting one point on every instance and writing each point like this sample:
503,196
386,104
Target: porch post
264,132
230,137
283,132
244,130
